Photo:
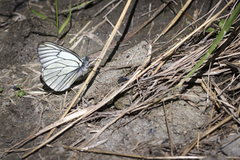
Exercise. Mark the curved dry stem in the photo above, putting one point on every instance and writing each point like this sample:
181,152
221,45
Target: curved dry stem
102,54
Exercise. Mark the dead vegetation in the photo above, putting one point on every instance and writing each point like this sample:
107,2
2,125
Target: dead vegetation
150,86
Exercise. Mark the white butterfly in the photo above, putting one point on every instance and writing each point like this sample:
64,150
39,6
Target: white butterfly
60,66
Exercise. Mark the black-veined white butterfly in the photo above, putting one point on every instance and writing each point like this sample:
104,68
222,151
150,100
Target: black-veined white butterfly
60,66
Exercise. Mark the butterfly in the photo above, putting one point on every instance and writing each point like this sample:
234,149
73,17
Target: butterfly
61,67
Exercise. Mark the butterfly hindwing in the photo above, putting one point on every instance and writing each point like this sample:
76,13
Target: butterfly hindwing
61,66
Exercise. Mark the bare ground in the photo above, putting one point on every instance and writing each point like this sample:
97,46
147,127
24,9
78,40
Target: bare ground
143,133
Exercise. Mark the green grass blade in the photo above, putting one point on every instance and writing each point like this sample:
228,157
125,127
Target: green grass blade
82,5
78,7
41,15
67,20
219,37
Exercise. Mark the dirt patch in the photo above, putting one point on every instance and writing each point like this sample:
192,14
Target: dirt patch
142,133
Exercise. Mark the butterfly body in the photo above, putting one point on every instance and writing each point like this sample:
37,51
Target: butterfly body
61,67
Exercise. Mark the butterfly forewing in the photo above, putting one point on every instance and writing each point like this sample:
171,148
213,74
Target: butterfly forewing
61,66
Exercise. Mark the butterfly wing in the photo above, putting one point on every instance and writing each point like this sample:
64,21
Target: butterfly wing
61,66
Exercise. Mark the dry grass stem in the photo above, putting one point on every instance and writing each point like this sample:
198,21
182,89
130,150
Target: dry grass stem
135,156
86,82
168,130
78,35
146,87
189,147
112,25
105,7
120,1
174,20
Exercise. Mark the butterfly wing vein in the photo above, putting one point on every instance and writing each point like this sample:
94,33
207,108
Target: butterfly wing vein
61,66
